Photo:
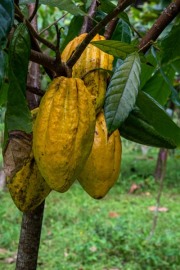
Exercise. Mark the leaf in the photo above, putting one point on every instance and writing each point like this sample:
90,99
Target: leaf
122,32
163,80
157,87
66,5
17,114
147,70
171,45
108,7
158,118
122,91
116,48
6,19
137,128
2,67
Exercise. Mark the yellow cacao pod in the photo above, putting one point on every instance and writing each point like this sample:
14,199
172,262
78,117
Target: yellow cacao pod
63,132
103,164
28,189
92,58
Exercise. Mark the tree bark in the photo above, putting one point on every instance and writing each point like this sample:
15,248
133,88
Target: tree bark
31,225
29,239
161,164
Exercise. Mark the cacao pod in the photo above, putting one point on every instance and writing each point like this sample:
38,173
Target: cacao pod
28,189
63,132
24,181
87,67
102,167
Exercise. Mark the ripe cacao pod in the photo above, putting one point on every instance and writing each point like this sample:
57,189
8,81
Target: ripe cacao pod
63,132
28,189
102,167
24,181
92,58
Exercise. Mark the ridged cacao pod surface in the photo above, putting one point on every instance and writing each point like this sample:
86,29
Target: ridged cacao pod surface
102,168
28,189
92,58
63,132
24,181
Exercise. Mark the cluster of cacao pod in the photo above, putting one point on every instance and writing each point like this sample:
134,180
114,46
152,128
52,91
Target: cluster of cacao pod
70,137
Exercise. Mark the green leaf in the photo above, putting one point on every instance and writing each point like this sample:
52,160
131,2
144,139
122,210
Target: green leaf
3,94
171,45
17,114
136,128
122,32
116,48
66,5
158,118
108,7
157,87
122,91
3,71
160,85
6,19
2,67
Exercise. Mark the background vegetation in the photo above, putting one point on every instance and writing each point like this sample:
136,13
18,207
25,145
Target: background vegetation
118,232
113,233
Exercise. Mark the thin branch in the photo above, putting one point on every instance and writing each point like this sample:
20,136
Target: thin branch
35,90
95,30
33,31
58,36
34,11
88,20
110,27
42,59
54,23
164,19
50,63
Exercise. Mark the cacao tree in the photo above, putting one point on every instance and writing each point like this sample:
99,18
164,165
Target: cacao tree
140,85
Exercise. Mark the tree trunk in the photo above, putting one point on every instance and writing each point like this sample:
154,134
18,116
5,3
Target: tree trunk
31,225
161,164
29,239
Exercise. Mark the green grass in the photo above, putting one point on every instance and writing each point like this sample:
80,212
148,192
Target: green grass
80,233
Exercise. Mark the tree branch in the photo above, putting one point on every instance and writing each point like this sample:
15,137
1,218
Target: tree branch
33,31
88,20
111,26
95,30
35,90
48,62
34,11
164,19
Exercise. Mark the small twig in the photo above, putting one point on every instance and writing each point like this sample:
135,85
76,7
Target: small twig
58,36
73,59
164,19
88,20
34,11
54,23
137,33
